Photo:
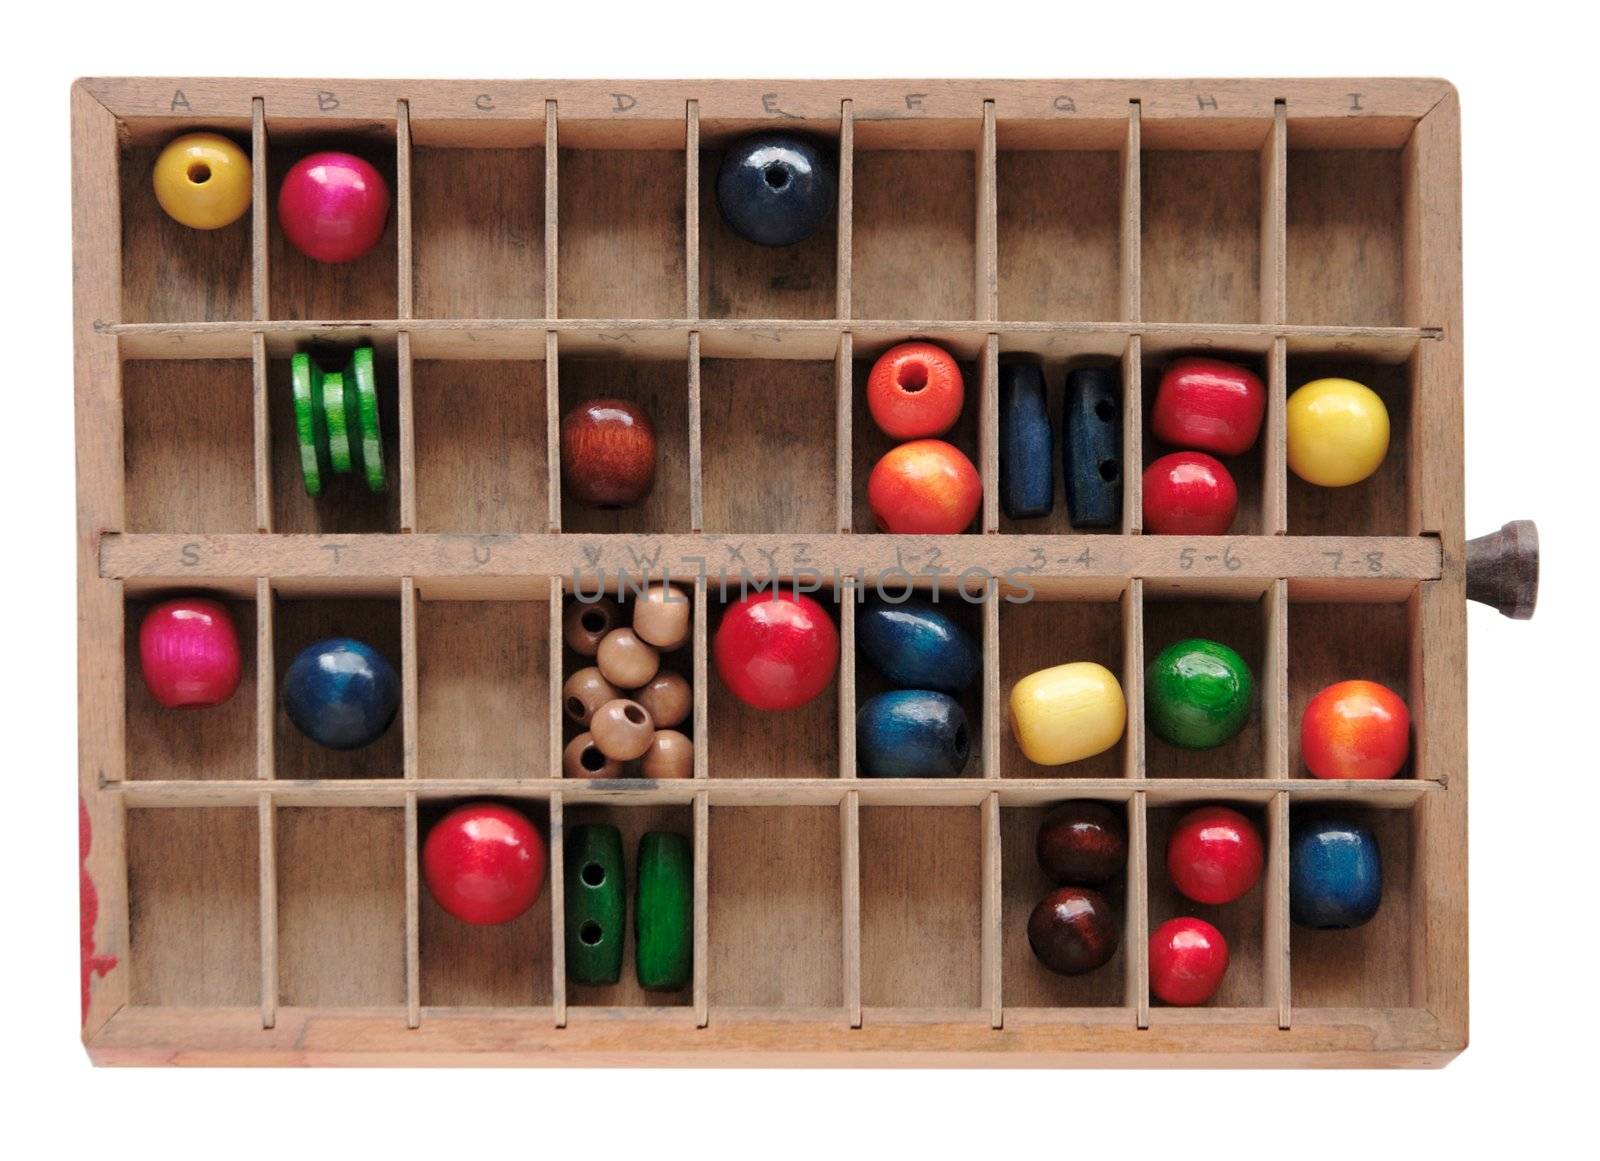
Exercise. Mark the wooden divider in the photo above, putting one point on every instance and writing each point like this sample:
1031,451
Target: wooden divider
402,208
1132,218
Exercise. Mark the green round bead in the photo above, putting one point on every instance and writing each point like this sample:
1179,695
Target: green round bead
1197,693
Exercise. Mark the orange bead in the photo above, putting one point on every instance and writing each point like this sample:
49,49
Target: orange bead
915,390
1356,729
926,487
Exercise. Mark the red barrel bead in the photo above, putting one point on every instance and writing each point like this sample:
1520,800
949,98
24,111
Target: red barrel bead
189,653
1189,493
776,651
484,863
1188,958
1214,855
1210,405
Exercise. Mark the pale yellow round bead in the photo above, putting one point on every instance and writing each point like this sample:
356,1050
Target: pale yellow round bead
1067,713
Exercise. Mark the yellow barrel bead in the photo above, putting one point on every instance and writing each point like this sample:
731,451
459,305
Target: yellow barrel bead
1067,713
1338,432
202,180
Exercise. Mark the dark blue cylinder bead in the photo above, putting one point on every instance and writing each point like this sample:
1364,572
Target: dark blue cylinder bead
341,693
1027,479
917,645
1091,450
912,733
776,189
1335,874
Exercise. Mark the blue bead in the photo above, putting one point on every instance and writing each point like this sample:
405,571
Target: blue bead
775,189
916,645
1091,452
1027,482
341,693
1335,875
911,733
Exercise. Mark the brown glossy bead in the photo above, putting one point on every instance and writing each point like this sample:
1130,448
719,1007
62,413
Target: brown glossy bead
668,699
661,616
1073,931
622,729
608,454
1084,843
585,692
671,755
584,759
586,625
625,661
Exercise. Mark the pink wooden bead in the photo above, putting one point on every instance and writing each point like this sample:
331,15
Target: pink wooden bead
189,653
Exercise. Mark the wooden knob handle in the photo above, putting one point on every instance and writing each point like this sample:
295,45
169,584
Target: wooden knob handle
1503,569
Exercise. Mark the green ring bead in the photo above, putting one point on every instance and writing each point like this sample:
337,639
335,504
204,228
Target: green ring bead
362,378
1197,694
335,413
306,379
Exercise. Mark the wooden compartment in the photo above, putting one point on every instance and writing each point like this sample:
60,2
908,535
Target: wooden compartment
188,451
1345,641
1345,253
481,446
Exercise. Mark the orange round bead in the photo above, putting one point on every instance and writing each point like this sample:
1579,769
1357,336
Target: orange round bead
926,487
1356,729
915,390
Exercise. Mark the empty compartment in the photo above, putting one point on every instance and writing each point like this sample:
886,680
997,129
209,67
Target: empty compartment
301,623
634,822
768,445
477,221
1026,982
194,919
914,229
341,907
1040,629
660,389
775,914
745,742
346,504
1380,504
1241,922
1368,966
1201,234
469,965
483,692
741,279
303,288
188,445
172,273
481,444
921,907
210,742
1346,237
623,221
1345,642
1246,468
1238,623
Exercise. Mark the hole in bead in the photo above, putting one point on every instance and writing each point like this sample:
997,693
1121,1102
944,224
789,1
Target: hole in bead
199,172
577,709
777,176
594,874
912,377
961,744
1108,470
594,620
1104,411
592,758
590,933
634,713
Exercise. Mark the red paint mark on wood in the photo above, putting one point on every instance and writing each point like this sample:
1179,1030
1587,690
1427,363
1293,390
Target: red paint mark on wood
88,911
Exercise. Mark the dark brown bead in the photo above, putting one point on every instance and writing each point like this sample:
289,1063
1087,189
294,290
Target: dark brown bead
1073,930
1084,843
608,454
587,623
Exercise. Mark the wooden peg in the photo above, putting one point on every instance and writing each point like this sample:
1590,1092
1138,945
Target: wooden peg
1503,569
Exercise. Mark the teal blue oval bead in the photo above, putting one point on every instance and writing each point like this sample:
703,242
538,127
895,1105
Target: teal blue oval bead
916,645
1091,450
1027,480
912,733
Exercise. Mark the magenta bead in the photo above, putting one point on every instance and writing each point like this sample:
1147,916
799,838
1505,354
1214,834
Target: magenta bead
189,653
333,206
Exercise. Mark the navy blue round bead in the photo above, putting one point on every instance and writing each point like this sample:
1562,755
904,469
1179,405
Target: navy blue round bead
341,693
912,733
775,189
916,645
1335,875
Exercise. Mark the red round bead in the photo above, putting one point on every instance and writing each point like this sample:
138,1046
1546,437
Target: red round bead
1214,855
926,487
1189,493
189,653
1209,404
608,453
1356,729
1188,958
484,863
915,390
776,650
333,206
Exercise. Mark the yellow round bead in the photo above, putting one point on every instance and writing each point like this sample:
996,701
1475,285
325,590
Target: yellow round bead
1338,432
1067,713
202,180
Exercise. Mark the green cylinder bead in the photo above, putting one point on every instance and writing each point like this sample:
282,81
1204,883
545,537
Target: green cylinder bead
1197,694
596,903
663,912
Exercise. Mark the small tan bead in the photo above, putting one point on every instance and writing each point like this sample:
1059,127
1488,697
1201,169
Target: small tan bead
583,759
667,699
671,755
625,661
622,729
585,692
661,616
586,625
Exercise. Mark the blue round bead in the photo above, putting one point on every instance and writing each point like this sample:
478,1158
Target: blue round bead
775,189
341,693
1335,875
916,645
912,733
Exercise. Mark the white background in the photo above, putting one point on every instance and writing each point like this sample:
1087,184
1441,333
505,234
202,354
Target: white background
1526,78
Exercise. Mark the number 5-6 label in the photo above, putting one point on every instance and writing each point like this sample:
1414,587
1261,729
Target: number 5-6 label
1189,555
